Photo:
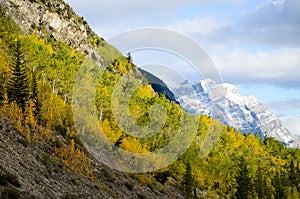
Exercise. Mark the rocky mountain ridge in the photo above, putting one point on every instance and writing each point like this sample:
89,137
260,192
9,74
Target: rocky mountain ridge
223,102
53,19
158,85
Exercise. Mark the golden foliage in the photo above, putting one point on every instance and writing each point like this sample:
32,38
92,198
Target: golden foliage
133,145
52,111
42,134
74,159
23,122
29,123
112,135
13,112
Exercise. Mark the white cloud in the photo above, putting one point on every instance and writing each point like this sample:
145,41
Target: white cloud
203,26
263,47
277,67
115,16
275,23
292,123
117,8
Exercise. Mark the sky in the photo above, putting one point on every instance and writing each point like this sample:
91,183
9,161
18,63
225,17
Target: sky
254,44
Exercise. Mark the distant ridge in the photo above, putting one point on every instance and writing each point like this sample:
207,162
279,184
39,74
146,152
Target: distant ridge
158,85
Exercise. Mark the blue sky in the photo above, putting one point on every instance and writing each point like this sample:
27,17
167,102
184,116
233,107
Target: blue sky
255,44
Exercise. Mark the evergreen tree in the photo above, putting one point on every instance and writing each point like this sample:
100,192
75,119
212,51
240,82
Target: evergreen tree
294,172
129,58
18,85
188,181
243,180
279,182
34,95
260,183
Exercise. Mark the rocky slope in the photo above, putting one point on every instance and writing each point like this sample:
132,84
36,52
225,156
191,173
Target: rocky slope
222,101
32,170
52,19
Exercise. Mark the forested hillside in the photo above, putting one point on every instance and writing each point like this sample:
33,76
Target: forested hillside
36,85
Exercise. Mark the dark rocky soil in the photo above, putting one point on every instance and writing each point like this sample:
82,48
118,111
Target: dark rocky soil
31,170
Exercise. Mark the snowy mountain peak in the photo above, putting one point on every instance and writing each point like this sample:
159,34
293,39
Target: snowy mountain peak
215,90
223,102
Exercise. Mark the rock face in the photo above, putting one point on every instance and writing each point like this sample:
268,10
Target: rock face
53,19
223,102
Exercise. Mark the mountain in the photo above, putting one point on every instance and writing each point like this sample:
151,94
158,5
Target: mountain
53,20
44,44
40,158
223,102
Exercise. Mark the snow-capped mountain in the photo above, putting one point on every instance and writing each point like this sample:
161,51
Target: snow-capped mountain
223,102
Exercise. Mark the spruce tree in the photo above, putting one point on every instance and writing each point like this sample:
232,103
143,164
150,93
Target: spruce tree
244,187
188,181
129,58
278,184
260,183
34,95
18,86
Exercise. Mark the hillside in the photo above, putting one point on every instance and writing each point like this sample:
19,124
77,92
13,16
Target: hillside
32,170
43,151
52,19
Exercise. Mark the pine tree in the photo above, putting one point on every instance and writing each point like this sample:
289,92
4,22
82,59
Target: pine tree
278,183
129,58
34,95
18,86
260,183
188,181
243,180
294,172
